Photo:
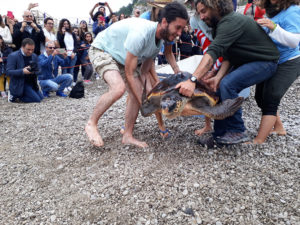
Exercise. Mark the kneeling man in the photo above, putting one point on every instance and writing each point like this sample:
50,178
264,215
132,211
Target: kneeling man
49,80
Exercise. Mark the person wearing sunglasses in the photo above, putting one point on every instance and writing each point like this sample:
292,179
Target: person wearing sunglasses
28,29
49,79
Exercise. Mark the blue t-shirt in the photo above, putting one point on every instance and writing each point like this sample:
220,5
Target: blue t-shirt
289,20
133,35
146,15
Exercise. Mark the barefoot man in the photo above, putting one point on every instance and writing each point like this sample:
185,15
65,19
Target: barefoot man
130,45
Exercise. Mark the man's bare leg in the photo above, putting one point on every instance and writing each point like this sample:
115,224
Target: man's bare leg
206,128
132,111
116,91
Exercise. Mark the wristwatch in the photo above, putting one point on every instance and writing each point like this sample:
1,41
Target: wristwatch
193,79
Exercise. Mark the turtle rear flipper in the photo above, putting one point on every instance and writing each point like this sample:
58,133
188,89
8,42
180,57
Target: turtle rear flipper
223,110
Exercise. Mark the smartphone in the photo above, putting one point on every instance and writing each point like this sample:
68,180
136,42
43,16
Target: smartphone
61,50
102,3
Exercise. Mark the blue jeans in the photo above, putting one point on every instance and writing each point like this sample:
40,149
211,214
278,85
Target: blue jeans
59,83
71,64
234,82
31,95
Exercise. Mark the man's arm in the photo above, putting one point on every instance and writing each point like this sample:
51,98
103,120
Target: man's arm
187,87
92,10
130,66
110,11
214,82
171,58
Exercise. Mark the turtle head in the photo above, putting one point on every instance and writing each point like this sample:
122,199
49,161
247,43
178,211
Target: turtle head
150,103
172,105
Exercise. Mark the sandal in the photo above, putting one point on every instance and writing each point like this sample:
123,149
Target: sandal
165,134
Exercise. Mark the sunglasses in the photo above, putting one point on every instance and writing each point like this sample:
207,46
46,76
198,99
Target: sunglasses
29,16
51,47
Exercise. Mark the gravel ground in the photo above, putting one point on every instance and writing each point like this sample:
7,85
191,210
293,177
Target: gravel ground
50,174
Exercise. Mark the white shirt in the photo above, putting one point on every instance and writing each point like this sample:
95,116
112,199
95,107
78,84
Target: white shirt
49,35
69,42
5,33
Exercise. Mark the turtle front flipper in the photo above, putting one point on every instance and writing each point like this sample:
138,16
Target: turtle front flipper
222,110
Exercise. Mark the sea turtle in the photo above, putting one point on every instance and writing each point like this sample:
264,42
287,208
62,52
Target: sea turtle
166,99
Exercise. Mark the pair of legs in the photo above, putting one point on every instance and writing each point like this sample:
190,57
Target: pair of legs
116,90
232,84
88,69
30,95
268,96
58,83
70,68
3,80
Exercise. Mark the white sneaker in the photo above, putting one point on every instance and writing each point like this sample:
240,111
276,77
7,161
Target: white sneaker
66,90
3,94
97,76
69,88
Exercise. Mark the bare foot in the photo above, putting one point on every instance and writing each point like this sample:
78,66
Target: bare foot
279,132
203,130
132,141
93,135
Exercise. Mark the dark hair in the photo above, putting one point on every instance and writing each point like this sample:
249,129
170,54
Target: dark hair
47,19
223,7
27,41
120,16
86,33
172,11
61,24
4,46
280,5
2,24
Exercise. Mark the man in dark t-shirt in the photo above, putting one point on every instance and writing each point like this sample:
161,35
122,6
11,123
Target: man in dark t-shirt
249,57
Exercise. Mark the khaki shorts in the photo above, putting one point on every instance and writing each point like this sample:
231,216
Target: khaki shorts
103,62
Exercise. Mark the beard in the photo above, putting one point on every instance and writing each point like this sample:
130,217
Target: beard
213,22
165,34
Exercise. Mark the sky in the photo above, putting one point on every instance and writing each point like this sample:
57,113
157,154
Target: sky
70,9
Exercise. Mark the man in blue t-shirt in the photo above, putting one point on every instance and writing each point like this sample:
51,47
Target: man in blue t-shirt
131,45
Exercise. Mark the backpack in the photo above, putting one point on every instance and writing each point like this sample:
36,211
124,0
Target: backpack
77,91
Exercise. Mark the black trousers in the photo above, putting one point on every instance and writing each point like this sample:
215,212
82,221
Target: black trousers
269,93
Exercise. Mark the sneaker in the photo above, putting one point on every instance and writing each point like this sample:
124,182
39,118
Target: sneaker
230,138
3,94
46,94
61,94
87,81
10,98
97,76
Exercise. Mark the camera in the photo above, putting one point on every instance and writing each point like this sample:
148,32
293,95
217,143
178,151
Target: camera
101,3
34,67
28,23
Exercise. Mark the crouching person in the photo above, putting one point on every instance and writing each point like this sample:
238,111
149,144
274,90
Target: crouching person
23,69
49,79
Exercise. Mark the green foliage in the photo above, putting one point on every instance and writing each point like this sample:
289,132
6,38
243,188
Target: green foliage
127,10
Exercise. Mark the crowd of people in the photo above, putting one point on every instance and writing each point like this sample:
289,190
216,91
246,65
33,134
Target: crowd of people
258,48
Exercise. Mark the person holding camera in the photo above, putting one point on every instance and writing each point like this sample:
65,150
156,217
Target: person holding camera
22,68
49,79
99,25
28,29
101,10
